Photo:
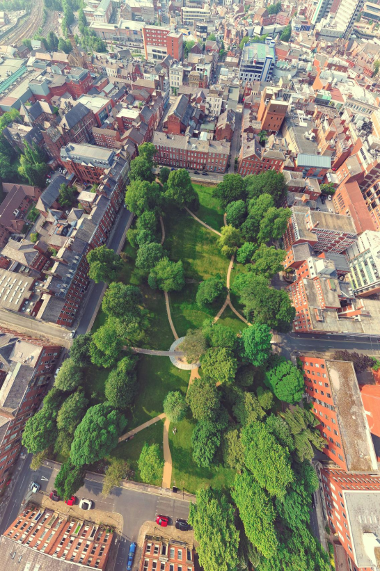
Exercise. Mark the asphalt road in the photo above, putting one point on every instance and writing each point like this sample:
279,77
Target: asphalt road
299,342
135,507
235,143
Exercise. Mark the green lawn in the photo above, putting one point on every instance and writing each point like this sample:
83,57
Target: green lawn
229,319
186,474
185,312
210,210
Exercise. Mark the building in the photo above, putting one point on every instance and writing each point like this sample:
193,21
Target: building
214,101
346,16
371,11
181,116
254,159
176,77
26,254
333,388
100,106
46,539
87,162
272,111
170,554
188,153
103,11
226,126
257,63
348,199
26,368
160,42
364,260
321,10
14,208
76,125
192,15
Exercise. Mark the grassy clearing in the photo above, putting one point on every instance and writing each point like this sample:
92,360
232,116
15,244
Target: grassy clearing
186,474
185,312
210,210
229,319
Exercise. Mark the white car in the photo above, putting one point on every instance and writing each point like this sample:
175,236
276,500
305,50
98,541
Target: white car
57,371
329,197
35,487
85,504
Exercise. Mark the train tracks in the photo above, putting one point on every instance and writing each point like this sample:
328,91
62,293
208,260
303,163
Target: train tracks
28,27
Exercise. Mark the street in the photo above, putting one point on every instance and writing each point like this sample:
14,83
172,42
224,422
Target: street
301,342
135,507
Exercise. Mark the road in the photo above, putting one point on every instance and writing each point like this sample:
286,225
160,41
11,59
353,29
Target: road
135,507
235,144
303,342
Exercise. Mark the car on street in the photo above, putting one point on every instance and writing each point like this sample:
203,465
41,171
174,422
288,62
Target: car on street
85,504
72,334
329,197
71,501
131,555
163,520
57,371
182,525
35,487
196,172
54,496
205,173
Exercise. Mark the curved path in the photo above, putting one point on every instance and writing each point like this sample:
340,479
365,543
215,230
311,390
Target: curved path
142,426
201,222
167,303
163,235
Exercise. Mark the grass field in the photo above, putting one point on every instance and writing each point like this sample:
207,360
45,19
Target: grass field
210,210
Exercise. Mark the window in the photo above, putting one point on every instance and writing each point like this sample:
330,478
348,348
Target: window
172,553
179,555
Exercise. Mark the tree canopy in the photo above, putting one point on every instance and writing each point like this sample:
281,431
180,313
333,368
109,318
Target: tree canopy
122,301
219,363
148,255
205,440
143,196
194,345
66,196
120,387
257,343
268,261
104,264
105,346
236,213
230,240
167,275
210,290
232,188
69,377
203,398
175,406
71,412
69,479
285,380
180,190
150,463
268,182
80,350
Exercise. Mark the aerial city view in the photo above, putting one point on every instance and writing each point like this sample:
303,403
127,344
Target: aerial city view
189,285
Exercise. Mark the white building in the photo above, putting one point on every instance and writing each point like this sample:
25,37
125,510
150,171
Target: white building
214,101
364,261
257,62
175,77
346,15
190,15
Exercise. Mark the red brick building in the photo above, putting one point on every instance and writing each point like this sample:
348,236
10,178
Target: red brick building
226,126
254,159
27,365
348,200
272,111
180,115
14,208
160,41
87,162
33,256
163,554
58,538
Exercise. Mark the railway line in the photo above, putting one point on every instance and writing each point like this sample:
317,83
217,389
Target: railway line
28,27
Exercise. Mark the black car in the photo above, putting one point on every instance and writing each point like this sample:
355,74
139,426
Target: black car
196,172
182,525
205,173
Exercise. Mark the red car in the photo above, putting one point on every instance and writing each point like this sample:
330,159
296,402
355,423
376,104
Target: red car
162,520
71,501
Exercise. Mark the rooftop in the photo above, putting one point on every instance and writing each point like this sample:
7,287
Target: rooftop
181,142
257,51
91,155
363,515
93,102
14,289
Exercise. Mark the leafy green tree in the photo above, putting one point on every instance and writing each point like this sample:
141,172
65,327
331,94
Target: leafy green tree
80,350
213,521
328,188
104,264
69,479
274,8
203,399
38,459
121,301
278,427
211,38
257,209
268,461
64,45
69,377
33,166
194,345
180,190
143,196
210,290
167,275
268,182
150,463
230,189
164,174
106,346
219,335
302,424
263,137
147,221
268,261
141,170
71,412
230,240
120,387
66,196
265,398
187,47
175,406
236,213
97,434
274,224
219,364
264,304
40,430
286,33
34,237
116,472
285,380
233,453
257,343
205,440
245,253
244,41
149,255
147,151
256,512
376,67
247,408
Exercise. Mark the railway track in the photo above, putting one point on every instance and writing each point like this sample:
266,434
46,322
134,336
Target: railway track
28,28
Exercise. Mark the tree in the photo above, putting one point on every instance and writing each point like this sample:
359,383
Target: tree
52,41
265,398
80,350
64,45
236,213
230,189
256,512
286,33
33,166
205,441
219,335
106,346
257,343
273,224
120,387
263,137
143,196
212,518
376,67
180,190
167,275
211,38
257,208
147,151
68,480
104,264
285,380
97,434
175,406
38,459
268,261
203,399
230,240
66,196
233,453
164,174
141,170
268,461
121,301
148,255
245,253
247,408
274,8
302,424
40,430
264,304
187,47
34,237
269,182
244,41
150,463
69,377
71,412
116,472
194,345
328,188
210,290
219,364
361,362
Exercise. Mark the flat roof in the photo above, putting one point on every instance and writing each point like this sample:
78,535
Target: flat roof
129,113
363,516
93,102
14,289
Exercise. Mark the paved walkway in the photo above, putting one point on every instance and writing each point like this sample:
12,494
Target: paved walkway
201,222
167,303
142,426
168,466
157,353
163,235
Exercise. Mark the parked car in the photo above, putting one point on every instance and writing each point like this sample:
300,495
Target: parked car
196,172
72,334
182,525
57,371
35,487
329,197
71,501
85,504
205,173
131,555
54,496
163,520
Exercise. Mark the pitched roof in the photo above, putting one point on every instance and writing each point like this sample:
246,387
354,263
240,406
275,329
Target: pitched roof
50,194
22,252
76,114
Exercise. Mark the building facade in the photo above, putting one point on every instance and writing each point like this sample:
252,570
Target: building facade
163,554
364,260
257,63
